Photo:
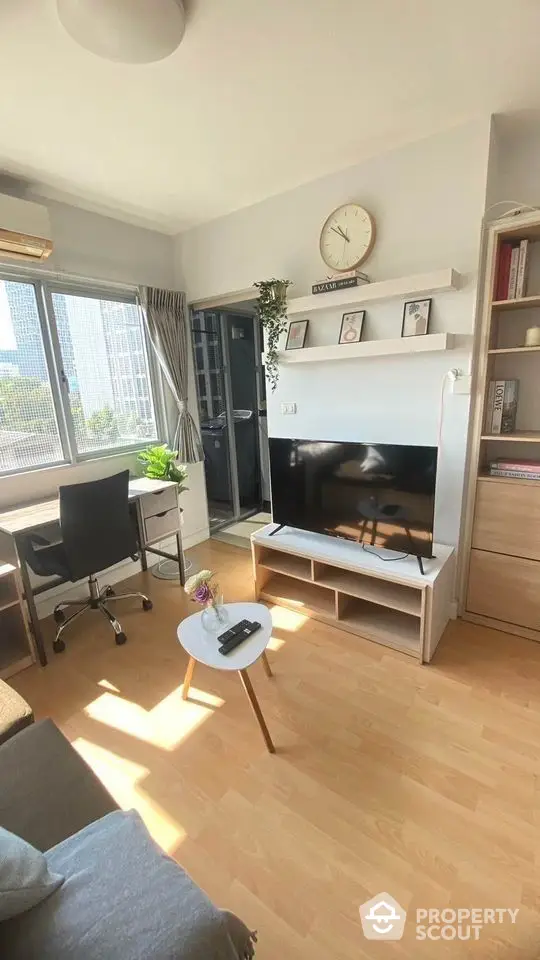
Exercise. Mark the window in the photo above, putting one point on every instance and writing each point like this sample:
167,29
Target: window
74,376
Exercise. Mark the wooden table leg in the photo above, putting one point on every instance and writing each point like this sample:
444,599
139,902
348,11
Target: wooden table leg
266,665
246,683
188,678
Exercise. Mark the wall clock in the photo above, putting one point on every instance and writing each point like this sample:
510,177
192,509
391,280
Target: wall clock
347,237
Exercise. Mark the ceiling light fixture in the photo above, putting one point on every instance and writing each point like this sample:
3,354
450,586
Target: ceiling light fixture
126,31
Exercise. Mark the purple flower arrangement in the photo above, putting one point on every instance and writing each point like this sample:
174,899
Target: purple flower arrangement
200,588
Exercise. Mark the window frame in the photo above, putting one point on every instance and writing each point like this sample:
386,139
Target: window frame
44,288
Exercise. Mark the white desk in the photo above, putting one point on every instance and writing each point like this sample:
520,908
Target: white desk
157,515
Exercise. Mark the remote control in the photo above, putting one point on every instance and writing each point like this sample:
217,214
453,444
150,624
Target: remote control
233,631
239,638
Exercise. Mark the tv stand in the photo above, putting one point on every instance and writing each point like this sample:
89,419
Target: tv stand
276,529
403,605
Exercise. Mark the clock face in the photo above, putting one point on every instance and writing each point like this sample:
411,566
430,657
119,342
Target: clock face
347,237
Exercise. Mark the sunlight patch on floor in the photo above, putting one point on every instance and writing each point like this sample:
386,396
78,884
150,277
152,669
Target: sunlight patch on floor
108,686
122,778
287,619
165,726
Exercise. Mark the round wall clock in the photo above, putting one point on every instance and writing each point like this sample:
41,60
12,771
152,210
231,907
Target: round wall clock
347,237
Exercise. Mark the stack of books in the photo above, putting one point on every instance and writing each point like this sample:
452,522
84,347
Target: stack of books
340,281
511,279
501,407
517,469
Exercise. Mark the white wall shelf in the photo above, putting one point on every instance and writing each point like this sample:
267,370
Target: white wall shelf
418,285
429,343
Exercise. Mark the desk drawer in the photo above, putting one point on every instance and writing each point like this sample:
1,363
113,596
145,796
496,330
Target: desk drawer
162,525
153,504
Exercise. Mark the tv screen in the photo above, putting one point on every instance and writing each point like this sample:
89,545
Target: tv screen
376,493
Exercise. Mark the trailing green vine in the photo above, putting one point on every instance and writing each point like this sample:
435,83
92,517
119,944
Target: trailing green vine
272,313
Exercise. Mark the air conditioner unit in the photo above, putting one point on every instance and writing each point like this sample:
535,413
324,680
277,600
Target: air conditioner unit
25,229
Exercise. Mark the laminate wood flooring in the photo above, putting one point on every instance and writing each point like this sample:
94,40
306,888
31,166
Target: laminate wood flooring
419,781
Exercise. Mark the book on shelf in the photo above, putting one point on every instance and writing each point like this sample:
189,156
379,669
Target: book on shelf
523,264
515,474
339,283
501,407
524,466
511,277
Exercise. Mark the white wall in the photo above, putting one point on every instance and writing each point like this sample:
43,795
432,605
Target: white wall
428,199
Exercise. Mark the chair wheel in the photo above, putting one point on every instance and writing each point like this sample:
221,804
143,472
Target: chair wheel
59,616
109,592
147,604
58,646
120,639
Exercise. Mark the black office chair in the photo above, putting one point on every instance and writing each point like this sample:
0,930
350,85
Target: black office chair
97,532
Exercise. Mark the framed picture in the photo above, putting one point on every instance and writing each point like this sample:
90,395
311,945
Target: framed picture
351,327
296,336
415,318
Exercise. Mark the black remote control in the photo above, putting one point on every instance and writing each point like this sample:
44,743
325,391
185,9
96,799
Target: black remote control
233,631
239,638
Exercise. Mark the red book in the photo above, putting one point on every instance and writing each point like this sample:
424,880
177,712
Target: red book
503,274
525,466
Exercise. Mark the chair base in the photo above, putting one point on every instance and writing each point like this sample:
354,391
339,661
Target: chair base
97,600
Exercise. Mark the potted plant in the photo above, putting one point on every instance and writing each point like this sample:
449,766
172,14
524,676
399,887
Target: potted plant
160,463
272,313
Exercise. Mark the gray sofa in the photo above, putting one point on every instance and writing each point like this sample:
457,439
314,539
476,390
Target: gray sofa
122,898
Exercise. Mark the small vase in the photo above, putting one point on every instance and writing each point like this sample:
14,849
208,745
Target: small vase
214,618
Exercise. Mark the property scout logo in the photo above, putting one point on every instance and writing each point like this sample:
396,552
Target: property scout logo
384,919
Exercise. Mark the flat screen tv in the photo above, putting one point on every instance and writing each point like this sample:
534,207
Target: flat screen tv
379,494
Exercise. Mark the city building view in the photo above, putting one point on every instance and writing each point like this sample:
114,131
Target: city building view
103,365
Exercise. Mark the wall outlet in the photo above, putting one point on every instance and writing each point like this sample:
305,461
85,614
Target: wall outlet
287,408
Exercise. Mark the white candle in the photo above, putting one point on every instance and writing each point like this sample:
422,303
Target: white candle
532,337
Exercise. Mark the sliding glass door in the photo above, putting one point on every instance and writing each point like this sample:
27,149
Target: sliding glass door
226,369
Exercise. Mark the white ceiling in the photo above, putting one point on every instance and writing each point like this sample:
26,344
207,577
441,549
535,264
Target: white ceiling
262,95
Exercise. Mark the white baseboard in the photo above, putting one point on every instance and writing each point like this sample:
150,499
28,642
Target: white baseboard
46,602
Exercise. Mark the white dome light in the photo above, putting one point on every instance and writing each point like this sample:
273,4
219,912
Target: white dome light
127,31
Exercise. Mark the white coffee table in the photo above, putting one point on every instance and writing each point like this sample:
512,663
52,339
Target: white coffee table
203,647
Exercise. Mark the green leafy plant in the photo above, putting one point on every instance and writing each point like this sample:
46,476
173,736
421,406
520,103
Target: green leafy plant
272,313
159,463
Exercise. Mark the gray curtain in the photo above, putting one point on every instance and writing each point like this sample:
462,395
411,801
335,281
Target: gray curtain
165,315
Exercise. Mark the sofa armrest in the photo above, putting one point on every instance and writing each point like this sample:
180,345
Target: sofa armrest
47,791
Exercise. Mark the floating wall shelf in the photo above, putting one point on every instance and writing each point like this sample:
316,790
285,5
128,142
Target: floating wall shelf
407,288
371,348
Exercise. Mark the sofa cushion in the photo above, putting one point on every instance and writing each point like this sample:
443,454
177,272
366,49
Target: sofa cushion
47,791
15,712
122,899
25,878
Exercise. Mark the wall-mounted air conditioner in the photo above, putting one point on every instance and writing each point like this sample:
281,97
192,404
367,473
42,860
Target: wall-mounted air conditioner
25,229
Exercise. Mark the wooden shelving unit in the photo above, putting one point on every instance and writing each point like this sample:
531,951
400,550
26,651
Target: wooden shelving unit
335,581
16,648
500,576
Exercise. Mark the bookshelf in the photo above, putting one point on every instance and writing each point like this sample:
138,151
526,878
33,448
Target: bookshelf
16,648
500,564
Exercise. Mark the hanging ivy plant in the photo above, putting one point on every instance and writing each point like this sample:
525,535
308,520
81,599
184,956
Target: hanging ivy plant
272,312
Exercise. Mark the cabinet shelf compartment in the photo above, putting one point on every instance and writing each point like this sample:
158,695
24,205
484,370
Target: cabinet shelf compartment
393,628
286,563
300,596
387,594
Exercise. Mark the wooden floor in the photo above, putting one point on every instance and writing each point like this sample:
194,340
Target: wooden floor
422,781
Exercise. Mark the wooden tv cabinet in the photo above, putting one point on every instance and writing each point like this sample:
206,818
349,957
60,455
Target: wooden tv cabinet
339,583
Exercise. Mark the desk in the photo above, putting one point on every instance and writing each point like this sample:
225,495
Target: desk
153,524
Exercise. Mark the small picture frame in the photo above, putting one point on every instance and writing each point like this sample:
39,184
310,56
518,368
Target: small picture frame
296,337
351,327
415,318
